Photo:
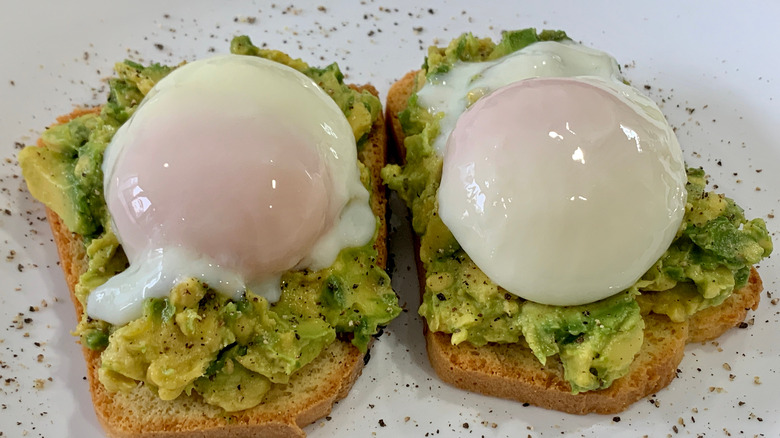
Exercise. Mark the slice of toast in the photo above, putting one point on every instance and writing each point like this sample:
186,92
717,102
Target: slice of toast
512,371
286,409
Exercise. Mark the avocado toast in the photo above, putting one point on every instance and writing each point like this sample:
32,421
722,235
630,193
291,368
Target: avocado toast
312,363
489,352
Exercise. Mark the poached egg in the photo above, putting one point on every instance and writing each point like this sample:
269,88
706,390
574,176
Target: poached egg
232,170
563,184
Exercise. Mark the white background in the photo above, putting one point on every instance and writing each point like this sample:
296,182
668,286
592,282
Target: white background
719,60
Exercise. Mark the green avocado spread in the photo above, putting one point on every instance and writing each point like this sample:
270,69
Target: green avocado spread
230,352
710,257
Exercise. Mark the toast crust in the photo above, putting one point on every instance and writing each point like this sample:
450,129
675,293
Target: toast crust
309,396
511,371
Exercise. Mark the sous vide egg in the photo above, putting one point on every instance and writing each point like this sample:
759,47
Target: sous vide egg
563,187
232,170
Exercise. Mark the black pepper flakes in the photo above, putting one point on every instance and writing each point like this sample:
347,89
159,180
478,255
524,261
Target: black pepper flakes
382,422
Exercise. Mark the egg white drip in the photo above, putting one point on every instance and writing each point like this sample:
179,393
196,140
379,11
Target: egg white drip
120,299
445,95
355,227
156,269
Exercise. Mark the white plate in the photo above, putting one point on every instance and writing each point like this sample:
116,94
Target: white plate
721,62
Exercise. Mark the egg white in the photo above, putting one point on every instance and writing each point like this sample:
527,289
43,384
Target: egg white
232,170
548,209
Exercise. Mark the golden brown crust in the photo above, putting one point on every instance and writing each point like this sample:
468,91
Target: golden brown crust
397,97
511,371
375,158
310,395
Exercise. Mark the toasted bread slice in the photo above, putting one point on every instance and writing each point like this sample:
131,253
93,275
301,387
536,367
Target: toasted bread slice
512,371
286,409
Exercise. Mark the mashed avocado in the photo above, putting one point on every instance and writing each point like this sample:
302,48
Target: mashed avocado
709,258
196,339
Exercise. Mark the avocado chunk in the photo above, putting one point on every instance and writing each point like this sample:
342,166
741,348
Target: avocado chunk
47,179
65,174
679,302
714,249
106,258
353,296
460,299
275,344
438,241
469,48
596,342
231,386
170,345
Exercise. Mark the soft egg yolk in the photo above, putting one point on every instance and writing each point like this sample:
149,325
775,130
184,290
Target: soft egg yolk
564,191
232,170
